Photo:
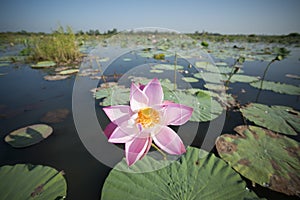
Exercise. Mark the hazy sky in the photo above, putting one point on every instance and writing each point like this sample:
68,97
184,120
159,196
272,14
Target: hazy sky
221,16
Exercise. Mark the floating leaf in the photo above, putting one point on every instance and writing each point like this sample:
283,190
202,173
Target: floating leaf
166,67
55,77
68,71
44,64
105,59
210,77
243,78
24,181
278,87
281,119
266,158
215,87
4,64
190,79
208,66
126,59
166,83
55,116
113,95
294,76
197,175
158,71
28,135
223,64
205,107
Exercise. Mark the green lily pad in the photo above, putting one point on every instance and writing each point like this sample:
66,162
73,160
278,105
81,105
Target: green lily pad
210,77
197,175
243,78
142,80
126,59
281,88
190,79
294,76
281,119
113,95
205,65
266,158
166,67
4,64
68,71
205,107
55,77
105,59
222,64
215,87
25,181
28,135
44,64
158,71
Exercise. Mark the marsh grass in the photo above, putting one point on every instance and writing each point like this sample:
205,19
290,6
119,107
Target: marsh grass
60,46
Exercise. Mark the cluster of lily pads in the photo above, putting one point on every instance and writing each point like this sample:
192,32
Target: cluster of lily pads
259,152
262,152
33,181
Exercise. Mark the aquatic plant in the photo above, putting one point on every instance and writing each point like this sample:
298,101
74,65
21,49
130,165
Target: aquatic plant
196,175
281,53
60,46
26,181
235,68
146,119
265,157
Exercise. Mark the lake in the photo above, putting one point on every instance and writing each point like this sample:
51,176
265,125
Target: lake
26,97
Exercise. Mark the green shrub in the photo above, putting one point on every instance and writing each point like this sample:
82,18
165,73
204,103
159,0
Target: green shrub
60,46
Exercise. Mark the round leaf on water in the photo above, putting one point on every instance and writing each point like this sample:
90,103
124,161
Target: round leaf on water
126,59
166,67
281,88
205,65
243,78
266,158
281,119
210,77
68,71
158,71
113,95
197,175
55,77
205,107
44,64
24,181
215,87
28,135
190,79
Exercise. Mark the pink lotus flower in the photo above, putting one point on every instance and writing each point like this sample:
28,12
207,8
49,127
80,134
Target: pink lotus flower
146,120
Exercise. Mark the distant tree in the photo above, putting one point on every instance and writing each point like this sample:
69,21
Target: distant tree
80,32
293,35
90,32
97,32
111,32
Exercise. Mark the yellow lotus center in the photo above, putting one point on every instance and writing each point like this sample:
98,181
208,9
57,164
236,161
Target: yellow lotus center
147,117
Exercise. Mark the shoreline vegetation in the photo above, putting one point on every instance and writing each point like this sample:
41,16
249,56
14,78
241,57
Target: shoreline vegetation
62,46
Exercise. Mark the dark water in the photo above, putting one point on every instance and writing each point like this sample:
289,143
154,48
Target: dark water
26,97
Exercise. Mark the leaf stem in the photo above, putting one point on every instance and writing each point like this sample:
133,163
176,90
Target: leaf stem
160,151
263,78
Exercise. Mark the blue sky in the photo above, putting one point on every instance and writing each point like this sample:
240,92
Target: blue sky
219,16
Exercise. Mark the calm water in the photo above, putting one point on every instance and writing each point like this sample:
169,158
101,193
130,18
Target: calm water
26,97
